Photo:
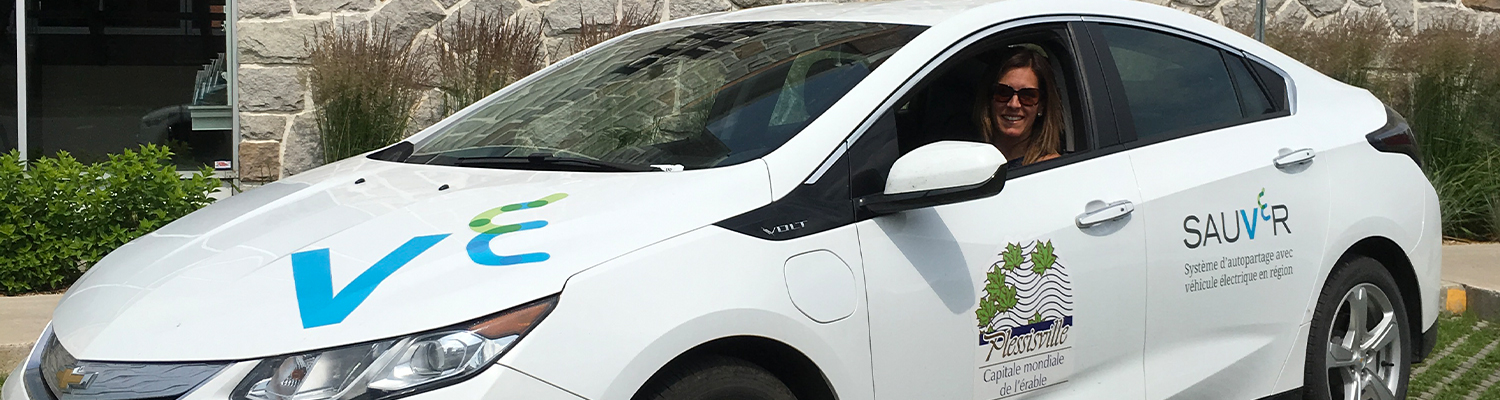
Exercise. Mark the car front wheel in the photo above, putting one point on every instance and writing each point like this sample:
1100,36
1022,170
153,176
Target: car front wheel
717,378
1359,342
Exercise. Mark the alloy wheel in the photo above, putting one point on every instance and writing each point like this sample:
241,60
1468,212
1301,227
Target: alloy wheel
1364,346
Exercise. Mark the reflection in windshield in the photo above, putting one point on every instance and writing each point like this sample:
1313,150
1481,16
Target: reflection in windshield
698,97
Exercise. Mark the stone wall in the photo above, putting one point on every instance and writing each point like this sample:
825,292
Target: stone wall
1406,16
277,128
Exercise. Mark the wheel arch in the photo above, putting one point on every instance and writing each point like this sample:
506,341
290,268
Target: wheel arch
796,370
1391,256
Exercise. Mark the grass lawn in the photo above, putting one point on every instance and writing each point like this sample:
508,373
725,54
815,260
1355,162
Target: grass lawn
1444,376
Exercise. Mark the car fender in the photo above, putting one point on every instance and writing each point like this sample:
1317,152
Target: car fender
619,323
1387,205
707,328
1341,244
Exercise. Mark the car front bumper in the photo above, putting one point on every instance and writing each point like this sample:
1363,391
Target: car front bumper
499,382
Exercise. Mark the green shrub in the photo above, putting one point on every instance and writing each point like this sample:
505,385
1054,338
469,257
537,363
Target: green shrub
59,216
364,88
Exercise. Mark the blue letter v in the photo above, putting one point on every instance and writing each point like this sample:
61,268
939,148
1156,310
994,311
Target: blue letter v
314,280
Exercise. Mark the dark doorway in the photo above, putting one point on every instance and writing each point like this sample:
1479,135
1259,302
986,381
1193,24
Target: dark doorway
109,75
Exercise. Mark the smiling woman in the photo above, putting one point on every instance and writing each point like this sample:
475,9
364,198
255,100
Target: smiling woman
698,97
1022,115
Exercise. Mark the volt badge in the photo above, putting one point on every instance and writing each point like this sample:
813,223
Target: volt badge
785,228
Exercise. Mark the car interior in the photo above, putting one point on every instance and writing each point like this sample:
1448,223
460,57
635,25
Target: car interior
942,106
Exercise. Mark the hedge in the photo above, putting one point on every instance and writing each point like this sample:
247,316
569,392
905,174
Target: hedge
59,216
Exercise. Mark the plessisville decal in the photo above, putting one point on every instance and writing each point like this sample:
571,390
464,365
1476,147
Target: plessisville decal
312,272
1023,319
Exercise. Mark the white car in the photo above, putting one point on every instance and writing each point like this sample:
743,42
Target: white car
795,202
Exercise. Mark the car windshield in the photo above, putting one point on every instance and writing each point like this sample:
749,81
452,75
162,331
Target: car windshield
683,98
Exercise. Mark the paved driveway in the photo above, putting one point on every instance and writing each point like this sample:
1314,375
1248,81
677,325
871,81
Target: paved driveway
21,322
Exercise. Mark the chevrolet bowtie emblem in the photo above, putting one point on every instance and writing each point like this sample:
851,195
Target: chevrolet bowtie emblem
70,379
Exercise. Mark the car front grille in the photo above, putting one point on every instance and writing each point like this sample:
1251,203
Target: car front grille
67,378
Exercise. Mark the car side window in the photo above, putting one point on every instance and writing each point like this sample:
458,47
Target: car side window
1174,86
1274,84
1254,101
949,102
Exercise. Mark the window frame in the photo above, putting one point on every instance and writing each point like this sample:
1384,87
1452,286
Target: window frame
1255,82
1097,130
1128,135
1288,87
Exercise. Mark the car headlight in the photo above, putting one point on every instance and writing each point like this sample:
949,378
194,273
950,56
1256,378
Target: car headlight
394,367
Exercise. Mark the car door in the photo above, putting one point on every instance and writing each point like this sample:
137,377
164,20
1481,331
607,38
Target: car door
1235,211
1009,296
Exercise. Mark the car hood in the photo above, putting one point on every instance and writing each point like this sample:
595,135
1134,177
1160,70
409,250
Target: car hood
219,284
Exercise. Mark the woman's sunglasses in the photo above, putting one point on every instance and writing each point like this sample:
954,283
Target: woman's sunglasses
1028,97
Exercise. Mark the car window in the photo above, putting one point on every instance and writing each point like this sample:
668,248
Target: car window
1174,86
699,97
945,105
1254,101
1274,84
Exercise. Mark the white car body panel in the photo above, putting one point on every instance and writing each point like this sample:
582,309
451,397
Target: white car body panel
13,387
884,307
1214,183
927,273
737,288
231,259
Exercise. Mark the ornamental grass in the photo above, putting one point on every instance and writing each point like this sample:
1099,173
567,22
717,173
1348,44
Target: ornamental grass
479,55
365,86
592,32
1445,80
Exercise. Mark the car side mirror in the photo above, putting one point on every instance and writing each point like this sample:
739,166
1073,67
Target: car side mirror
939,173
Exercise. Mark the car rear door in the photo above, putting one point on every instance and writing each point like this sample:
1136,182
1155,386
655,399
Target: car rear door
1235,210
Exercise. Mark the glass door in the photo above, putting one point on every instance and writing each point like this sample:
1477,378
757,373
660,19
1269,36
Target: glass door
9,140
103,76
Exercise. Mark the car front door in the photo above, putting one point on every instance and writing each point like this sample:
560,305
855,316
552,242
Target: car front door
1032,293
1235,213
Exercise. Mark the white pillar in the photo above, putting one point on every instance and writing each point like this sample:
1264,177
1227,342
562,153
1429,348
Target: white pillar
232,57
20,22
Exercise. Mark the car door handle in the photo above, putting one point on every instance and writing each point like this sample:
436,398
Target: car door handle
1295,157
1112,211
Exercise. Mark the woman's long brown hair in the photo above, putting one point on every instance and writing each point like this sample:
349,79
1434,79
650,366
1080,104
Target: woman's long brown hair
1045,137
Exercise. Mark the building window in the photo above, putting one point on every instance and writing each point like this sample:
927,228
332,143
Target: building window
102,76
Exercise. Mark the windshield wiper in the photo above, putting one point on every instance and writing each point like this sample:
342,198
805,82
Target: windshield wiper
535,161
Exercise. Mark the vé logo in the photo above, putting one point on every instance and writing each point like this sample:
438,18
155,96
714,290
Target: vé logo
312,272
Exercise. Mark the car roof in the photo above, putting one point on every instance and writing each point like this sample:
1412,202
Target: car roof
906,12
956,18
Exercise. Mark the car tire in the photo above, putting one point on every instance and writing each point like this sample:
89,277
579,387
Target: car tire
717,378
1366,362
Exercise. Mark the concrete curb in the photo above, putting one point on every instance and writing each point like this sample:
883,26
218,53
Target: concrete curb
1458,298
